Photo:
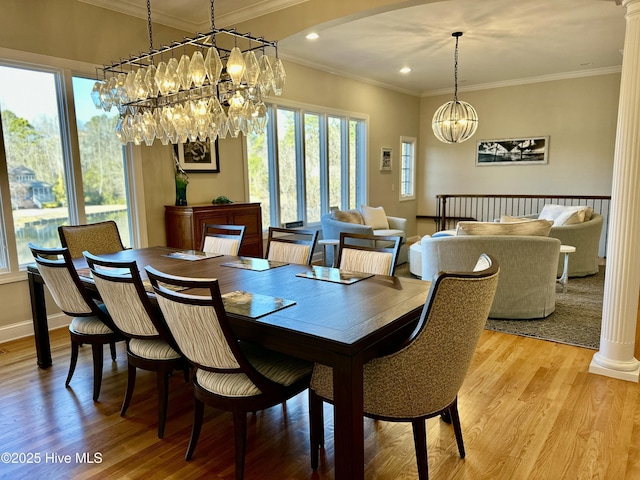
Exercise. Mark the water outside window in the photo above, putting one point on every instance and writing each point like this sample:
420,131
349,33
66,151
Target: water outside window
36,162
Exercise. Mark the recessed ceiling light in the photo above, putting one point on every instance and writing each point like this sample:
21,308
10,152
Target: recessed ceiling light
405,70
312,36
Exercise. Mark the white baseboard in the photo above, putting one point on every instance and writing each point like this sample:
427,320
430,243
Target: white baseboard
25,329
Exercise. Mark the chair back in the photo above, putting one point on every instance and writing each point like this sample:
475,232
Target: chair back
199,326
443,345
368,253
97,238
59,274
291,245
225,239
122,291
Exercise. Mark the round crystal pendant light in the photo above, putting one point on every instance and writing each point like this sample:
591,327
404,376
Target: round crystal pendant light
455,121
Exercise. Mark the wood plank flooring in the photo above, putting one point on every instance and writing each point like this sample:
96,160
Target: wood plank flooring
529,410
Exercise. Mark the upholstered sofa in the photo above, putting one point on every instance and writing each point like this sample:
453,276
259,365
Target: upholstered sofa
333,223
528,264
585,236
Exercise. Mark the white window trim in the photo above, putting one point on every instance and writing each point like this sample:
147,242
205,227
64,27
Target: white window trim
414,142
66,69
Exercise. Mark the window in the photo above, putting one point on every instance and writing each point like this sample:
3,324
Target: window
305,163
46,183
407,168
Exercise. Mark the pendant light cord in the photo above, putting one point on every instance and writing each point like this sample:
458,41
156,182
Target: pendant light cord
213,26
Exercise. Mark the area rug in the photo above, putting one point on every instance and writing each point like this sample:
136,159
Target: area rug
576,320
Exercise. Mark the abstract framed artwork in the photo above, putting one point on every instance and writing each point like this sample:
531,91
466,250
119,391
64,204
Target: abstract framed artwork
513,151
198,157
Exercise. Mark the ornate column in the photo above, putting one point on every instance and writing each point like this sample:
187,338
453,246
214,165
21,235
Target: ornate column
622,281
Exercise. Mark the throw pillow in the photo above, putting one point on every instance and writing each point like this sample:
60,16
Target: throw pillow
563,214
535,228
349,216
510,219
375,217
569,217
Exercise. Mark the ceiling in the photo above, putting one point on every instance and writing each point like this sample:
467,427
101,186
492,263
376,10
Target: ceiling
505,42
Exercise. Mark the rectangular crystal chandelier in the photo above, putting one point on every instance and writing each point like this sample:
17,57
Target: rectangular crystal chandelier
193,89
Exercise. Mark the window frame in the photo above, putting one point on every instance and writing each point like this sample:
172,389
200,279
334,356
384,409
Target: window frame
63,70
300,110
412,141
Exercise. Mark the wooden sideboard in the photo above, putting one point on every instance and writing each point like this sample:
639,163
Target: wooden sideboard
183,225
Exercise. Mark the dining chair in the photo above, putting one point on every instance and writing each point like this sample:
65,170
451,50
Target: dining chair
368,253
97,238
225,239
91,323
291,245
239,377
422,377
149,343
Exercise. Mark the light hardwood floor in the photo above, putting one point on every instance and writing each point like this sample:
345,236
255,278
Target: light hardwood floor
529,410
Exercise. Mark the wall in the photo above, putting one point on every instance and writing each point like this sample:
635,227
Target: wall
73,30
579,115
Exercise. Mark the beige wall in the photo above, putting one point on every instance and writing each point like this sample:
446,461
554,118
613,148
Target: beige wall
579,115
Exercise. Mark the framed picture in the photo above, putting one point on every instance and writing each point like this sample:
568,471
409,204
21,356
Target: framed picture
198,157
385,160
513,151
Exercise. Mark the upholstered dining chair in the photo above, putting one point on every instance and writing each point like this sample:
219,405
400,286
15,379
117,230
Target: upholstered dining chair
234,376
149,344
91,323
421,379
291,245
368,253
225,239
97,238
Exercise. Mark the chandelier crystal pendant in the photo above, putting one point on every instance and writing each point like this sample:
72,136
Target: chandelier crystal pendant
203,87
455,121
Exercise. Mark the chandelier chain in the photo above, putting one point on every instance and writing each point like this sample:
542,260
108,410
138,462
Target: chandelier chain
213,22
149,24
455,72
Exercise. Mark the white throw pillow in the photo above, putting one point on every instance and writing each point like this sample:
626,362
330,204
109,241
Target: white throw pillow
569,217
374,217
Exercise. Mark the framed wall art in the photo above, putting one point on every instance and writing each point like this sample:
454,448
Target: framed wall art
198,157
386,159
513,151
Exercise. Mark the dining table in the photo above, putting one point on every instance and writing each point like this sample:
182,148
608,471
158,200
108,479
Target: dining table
342,324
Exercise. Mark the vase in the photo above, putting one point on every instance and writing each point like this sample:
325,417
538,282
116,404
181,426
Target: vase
182,180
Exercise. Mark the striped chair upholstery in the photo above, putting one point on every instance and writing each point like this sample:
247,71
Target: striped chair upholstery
443,343
149,345
368,253
90,324
97,238
291,245
224,239
230,375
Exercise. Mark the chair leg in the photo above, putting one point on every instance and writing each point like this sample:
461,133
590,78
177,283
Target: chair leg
74,361
420,441
198,414
240,435
455,419
131,383
112,347
97,348
162,377
316,427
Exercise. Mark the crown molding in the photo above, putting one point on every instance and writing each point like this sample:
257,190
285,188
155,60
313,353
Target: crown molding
247,13
524,81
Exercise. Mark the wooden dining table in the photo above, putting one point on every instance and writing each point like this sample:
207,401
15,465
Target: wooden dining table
340,325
